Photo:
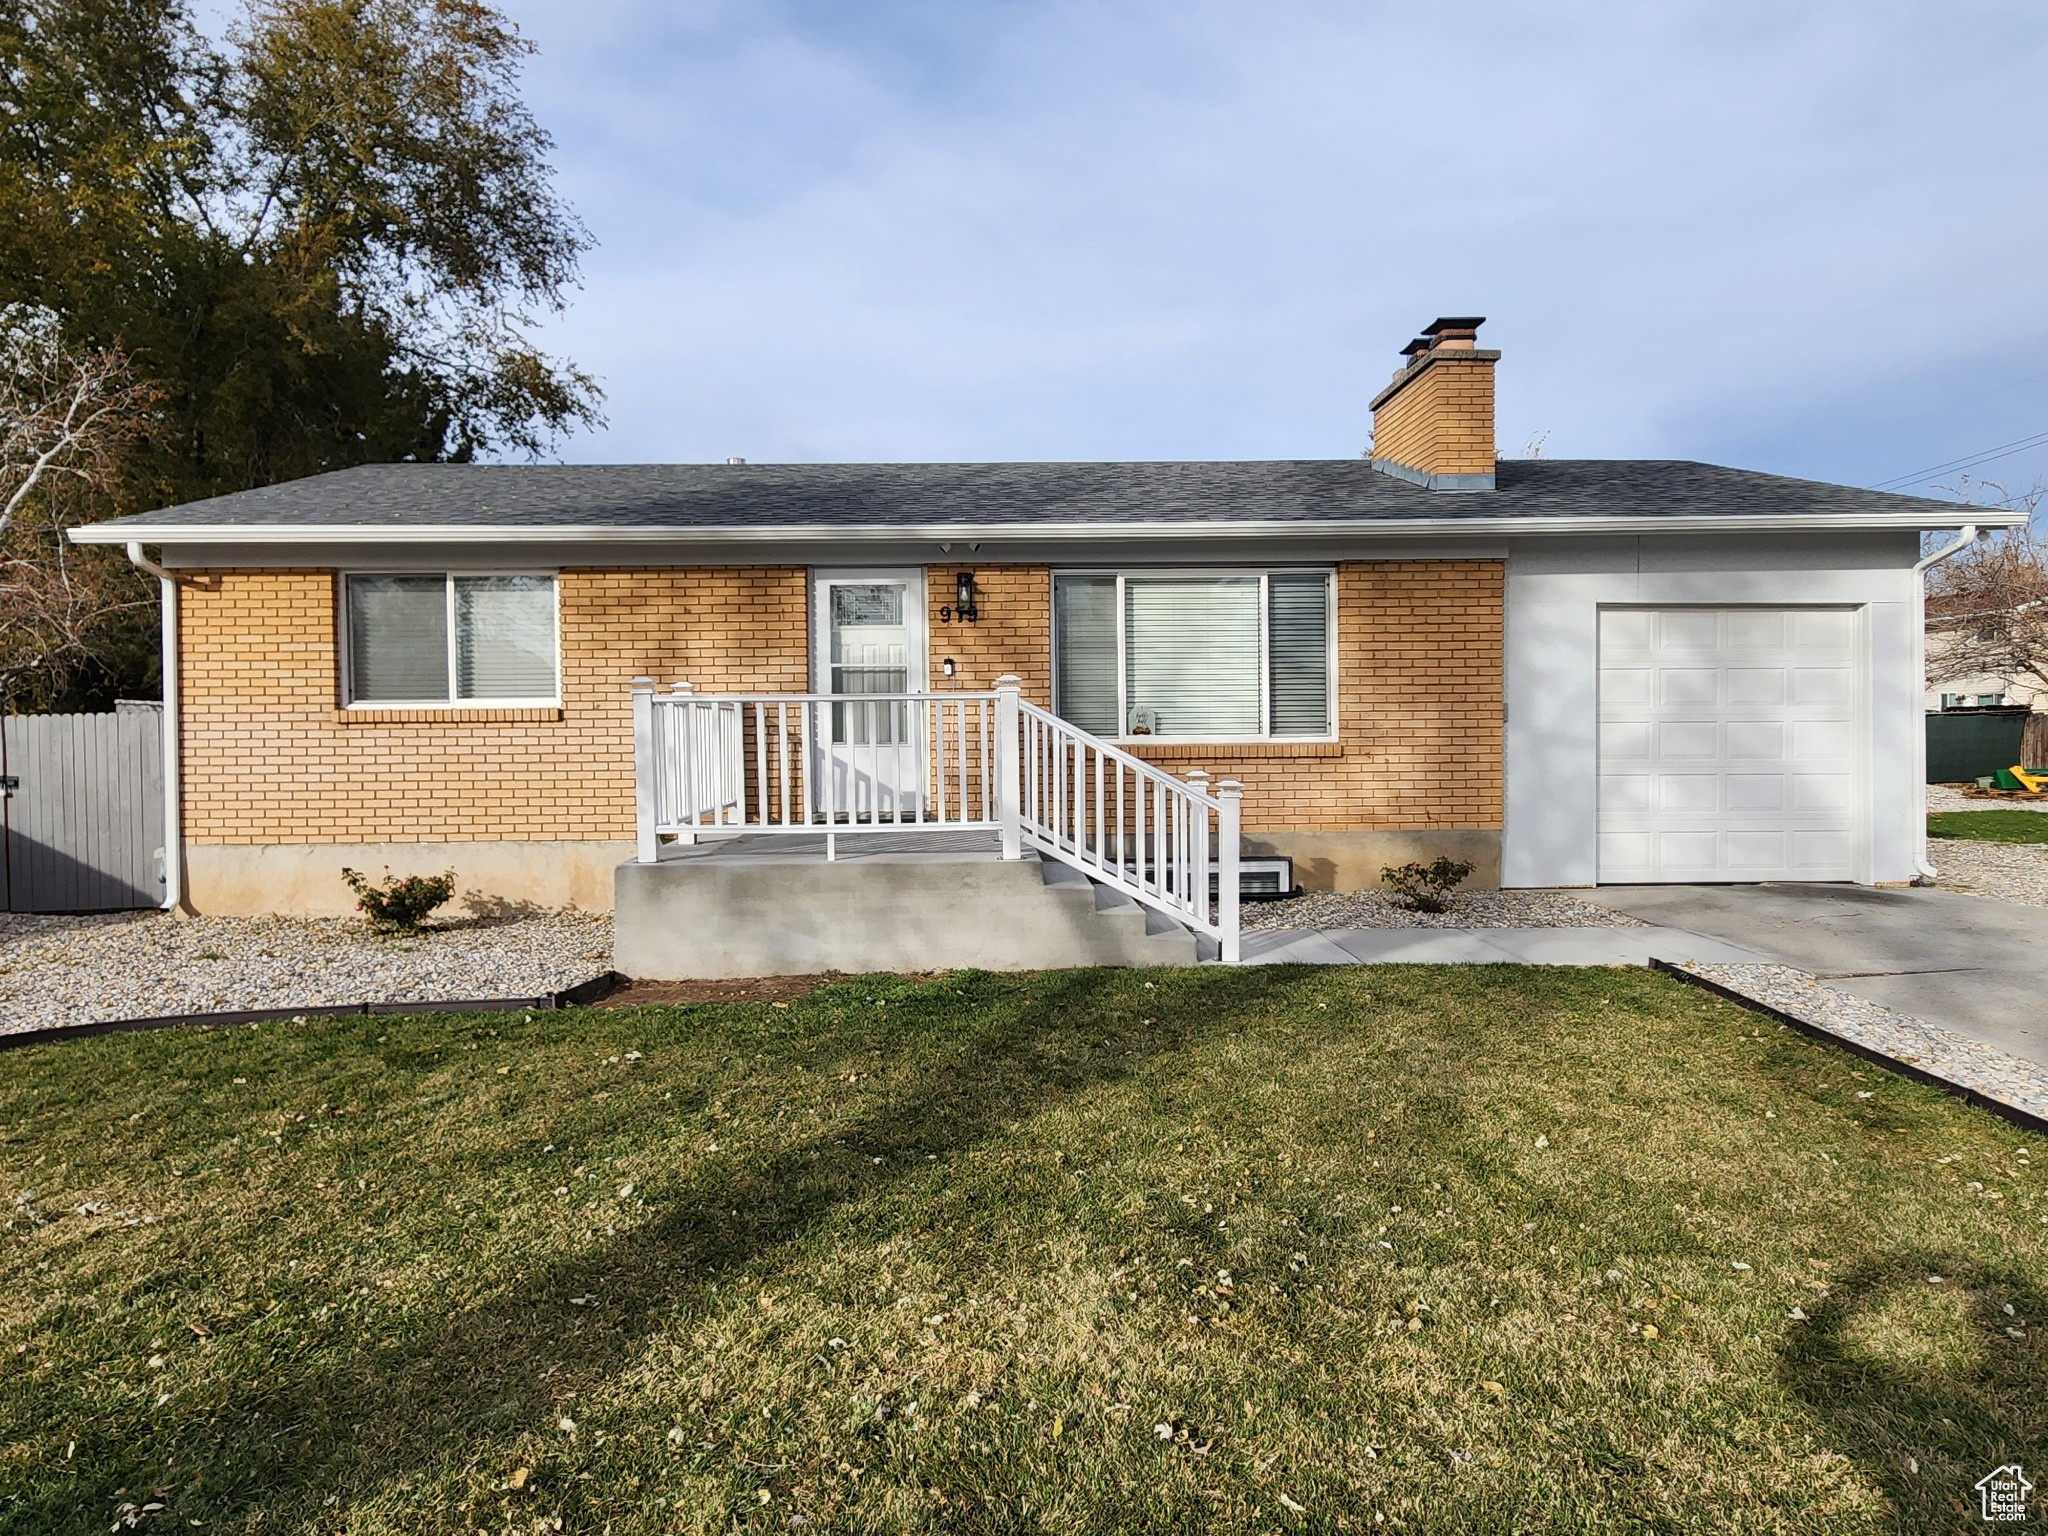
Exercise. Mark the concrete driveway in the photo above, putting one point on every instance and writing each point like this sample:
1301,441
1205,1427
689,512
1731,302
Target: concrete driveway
1975,966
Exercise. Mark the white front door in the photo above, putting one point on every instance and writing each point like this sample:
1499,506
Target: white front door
869,632
1731,744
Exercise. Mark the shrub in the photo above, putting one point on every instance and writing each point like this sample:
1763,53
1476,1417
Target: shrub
399,904
1425,887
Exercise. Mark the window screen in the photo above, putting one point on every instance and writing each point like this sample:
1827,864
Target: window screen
398,637
403,648
1298,653
1084,609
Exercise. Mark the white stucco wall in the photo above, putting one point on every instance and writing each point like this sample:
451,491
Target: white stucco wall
1555,590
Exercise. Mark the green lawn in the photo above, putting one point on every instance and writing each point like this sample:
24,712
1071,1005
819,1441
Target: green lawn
1990,826
1454,1249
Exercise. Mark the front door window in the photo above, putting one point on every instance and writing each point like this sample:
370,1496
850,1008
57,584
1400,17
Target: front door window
869,653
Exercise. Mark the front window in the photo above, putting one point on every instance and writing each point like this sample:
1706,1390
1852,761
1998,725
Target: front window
451,639
1206,657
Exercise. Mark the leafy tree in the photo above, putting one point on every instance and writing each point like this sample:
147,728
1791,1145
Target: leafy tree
323,239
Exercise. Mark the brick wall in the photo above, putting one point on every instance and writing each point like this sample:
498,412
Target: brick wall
1419,710
1440,420
270,757
1419,695
1013,634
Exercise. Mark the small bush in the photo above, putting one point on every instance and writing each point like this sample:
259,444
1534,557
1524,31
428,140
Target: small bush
401,902
1425,887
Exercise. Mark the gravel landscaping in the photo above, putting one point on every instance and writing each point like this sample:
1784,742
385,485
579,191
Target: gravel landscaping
2004,871
80,970
1961,1060
1468,909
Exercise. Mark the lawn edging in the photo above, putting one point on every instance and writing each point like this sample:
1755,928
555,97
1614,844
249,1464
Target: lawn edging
2011,1113
591,991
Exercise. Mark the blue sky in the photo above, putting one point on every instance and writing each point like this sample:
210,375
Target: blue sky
1801,237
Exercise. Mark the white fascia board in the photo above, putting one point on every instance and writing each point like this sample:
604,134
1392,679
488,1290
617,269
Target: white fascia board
1472,527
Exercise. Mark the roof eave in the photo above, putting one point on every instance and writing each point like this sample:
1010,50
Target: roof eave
1407,527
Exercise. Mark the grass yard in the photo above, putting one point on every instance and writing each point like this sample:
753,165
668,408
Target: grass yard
1316,1249
1990,826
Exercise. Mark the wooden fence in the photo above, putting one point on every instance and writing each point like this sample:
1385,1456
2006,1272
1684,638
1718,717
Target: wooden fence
83,811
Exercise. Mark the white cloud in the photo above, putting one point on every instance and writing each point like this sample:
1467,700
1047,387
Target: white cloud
1791,236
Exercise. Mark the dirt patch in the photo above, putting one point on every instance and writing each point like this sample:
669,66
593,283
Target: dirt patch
753,989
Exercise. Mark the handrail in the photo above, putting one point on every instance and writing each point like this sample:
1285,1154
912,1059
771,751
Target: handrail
1130,825
850,763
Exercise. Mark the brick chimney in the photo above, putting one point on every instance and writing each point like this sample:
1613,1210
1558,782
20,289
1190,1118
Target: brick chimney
1434,424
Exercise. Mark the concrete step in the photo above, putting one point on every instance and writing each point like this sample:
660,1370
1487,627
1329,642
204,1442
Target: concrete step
1141,924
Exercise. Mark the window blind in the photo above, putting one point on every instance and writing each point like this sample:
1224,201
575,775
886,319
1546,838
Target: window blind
1191,656
398,638
1084,611
1239,655
1298,653
504,637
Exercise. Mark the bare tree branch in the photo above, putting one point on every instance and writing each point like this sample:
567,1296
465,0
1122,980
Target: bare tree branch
1987,608
65,419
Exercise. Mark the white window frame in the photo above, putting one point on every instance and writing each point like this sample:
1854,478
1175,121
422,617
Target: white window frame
1260,573
448,578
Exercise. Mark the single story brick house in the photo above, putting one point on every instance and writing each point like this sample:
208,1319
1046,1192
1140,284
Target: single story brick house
1565,672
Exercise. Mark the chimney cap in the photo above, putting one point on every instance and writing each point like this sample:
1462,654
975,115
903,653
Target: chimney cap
1419,345
1444,323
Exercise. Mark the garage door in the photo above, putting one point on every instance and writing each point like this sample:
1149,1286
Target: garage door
1729,744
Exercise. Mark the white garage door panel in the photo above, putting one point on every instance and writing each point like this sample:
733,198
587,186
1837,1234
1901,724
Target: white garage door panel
1729,744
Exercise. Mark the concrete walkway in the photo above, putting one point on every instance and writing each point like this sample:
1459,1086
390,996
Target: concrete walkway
1488,946
1967,964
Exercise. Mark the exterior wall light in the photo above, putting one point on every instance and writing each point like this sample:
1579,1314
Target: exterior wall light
963,607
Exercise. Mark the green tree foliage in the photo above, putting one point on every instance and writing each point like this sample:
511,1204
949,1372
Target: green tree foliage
325,237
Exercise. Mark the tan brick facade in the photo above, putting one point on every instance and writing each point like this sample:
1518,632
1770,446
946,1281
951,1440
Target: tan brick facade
272,758
1012,634
1437,418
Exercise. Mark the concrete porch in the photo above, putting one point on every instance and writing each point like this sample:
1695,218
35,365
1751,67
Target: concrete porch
755,905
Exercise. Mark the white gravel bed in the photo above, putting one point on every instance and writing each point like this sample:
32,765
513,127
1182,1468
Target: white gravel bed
1942,798
1468,909
2004,871
1961,1060
79,970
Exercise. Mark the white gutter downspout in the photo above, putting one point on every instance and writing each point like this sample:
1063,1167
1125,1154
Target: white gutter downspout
174,826
1965,537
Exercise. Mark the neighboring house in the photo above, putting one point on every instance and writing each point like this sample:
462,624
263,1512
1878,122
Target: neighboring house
1976,690
1565,672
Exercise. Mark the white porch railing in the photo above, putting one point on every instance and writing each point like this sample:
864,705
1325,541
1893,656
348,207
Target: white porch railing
849,764
1134,827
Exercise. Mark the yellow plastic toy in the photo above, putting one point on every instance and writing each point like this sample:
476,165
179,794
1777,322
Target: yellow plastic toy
2034,783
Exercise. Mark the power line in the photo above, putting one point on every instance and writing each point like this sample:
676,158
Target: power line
1968,461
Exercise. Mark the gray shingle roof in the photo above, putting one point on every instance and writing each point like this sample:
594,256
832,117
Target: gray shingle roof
767,497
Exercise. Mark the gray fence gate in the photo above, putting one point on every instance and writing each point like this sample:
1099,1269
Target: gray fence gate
83,810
